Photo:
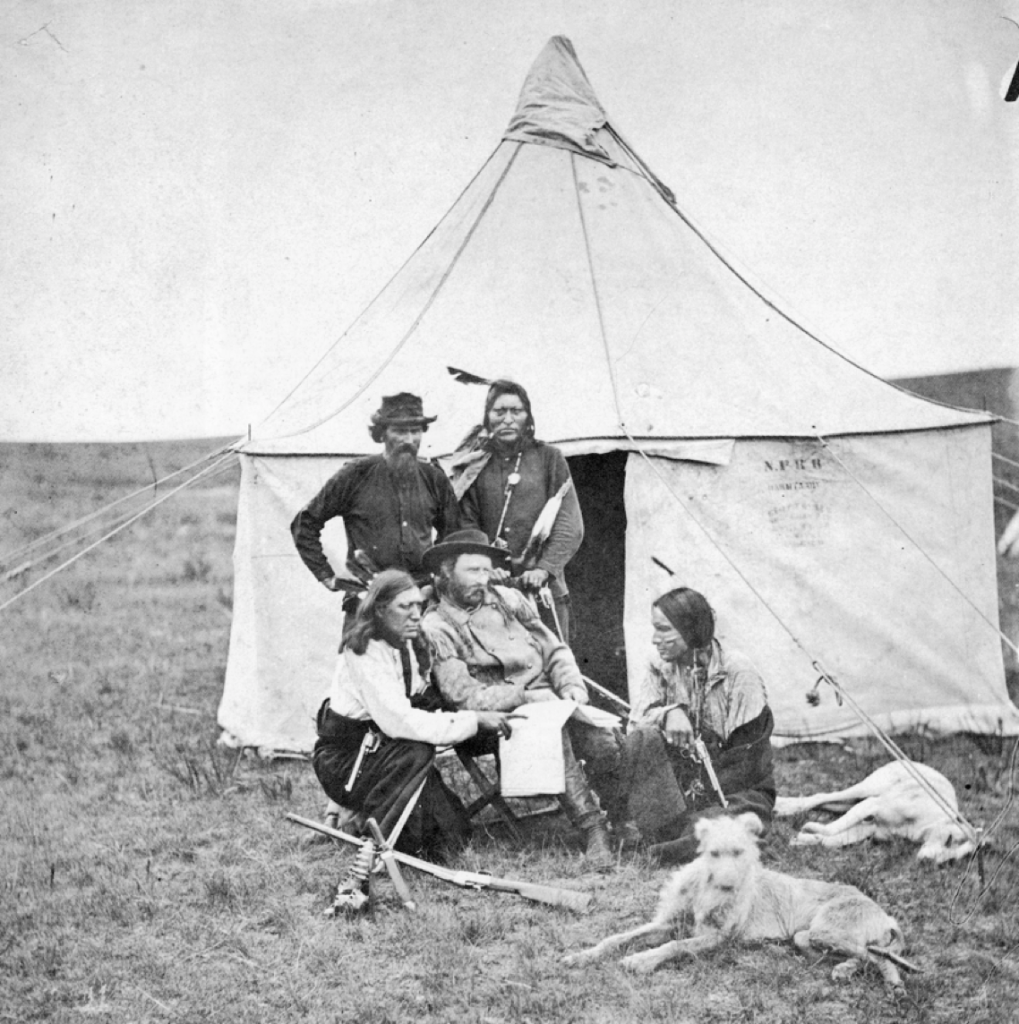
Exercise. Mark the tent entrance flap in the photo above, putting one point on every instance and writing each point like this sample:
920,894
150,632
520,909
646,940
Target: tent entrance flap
597,574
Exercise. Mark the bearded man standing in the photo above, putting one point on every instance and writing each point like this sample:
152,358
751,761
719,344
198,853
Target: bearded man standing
492,653
390,503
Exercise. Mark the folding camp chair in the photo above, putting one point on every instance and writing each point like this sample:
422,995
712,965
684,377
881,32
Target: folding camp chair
468,754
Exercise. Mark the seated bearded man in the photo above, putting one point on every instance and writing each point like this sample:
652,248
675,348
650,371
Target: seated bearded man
492,652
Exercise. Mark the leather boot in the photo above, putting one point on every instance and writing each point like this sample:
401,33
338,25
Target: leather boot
599,851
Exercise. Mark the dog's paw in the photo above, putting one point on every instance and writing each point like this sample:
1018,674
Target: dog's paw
806,838
844,971
639,963
787,806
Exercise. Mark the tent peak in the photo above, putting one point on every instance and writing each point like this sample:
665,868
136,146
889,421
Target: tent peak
557,106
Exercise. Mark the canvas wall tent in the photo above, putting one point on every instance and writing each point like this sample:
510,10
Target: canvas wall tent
808,499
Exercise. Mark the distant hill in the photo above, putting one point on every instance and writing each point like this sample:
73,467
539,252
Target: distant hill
995,391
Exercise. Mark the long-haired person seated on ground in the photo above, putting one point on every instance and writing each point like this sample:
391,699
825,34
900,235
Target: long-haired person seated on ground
696,688
377,730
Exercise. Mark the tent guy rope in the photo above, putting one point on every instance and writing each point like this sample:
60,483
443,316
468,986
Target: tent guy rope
98,523
1004,483
9,556
148,508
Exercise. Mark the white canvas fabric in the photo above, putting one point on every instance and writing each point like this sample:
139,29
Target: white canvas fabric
581,279
566,265
816,568
557,106
285,631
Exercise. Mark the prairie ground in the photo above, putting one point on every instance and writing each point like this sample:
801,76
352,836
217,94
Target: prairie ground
149,875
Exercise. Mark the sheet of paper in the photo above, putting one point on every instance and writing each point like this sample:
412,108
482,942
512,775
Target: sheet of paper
597,716
532,758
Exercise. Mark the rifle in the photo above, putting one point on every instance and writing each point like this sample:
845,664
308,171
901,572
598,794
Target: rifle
606,692
554,897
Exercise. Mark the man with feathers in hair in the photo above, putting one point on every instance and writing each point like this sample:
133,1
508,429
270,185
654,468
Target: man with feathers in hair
504,492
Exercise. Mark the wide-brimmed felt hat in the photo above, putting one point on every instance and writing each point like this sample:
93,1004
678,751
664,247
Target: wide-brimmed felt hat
464,542
402,410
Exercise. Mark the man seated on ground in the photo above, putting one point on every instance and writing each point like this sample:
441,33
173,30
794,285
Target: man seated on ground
492,652
695,689
376,733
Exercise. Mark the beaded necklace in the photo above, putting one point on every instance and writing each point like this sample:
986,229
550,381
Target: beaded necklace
511,481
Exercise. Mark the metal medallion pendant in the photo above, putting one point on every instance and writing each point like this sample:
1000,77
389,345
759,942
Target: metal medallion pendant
513,479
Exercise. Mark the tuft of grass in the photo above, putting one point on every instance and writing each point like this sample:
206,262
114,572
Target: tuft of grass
204,769
80,597
220,891
122,743
279,787
197,568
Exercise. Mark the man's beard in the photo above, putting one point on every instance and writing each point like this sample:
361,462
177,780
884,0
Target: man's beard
466,595
402,461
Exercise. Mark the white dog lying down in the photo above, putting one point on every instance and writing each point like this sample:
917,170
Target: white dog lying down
731,896
888,802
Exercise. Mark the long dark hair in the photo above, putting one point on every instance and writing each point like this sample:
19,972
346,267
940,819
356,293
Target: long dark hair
383,590
502,387
692,616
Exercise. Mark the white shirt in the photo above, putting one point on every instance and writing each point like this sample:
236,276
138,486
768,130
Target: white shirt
370,685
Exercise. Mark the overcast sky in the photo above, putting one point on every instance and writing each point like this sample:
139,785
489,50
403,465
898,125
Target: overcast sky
198,197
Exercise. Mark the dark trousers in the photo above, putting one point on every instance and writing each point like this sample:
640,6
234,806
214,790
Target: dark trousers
601,751
386,781
665,807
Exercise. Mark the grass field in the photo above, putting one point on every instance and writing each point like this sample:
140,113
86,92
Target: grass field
149,875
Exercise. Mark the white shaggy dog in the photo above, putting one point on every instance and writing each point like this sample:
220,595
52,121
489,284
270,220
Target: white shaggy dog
730,896
888,802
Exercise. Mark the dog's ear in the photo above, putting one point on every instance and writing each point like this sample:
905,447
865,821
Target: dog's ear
701,827
751,823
